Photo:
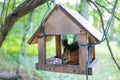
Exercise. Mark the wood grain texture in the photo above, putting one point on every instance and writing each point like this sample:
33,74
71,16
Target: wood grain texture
58,46
62,68
41,52
62,20
92,40
58,23
71,69
82,39
82,23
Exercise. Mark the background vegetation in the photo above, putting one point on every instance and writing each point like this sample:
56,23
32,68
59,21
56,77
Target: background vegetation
16,54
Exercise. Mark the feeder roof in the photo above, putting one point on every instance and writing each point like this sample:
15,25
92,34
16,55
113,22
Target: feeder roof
62,20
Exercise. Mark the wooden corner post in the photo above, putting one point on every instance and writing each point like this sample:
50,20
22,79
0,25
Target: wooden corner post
91,40
58,46
82,39
41,53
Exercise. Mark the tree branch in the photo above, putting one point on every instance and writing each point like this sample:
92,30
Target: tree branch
107,10
13,4
1,16
24,8
7,8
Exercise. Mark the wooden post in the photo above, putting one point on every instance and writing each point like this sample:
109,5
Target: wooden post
91,40
82,53
41,53
58,46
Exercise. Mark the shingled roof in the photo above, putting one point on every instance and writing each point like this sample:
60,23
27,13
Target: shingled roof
62,20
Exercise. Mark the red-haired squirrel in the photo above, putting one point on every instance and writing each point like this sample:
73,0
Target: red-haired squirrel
71,53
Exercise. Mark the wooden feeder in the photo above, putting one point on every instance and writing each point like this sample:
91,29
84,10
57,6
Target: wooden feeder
62,21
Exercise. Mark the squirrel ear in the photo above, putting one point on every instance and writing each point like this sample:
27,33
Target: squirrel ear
65,41
65,44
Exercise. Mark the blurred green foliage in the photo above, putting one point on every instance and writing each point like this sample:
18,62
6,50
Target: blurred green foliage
10,51
104,68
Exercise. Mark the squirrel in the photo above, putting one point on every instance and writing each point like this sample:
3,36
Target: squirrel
71,53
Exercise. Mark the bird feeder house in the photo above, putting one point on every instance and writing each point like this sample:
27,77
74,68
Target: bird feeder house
63,21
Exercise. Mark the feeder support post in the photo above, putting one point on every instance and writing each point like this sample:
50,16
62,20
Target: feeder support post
58,45
82,39
41,53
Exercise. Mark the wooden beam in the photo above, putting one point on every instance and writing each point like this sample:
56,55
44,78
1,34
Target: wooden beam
58,46
63,68
72,69
82,39
41,53
92,40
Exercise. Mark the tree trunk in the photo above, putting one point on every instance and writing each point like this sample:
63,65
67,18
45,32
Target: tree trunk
83,9
24,8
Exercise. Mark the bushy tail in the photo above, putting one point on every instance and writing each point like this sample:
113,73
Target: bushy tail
65,44
72,47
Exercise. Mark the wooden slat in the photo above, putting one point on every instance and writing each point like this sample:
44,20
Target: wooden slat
72,69
63,68
92,40
58,46
82,53
41,52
